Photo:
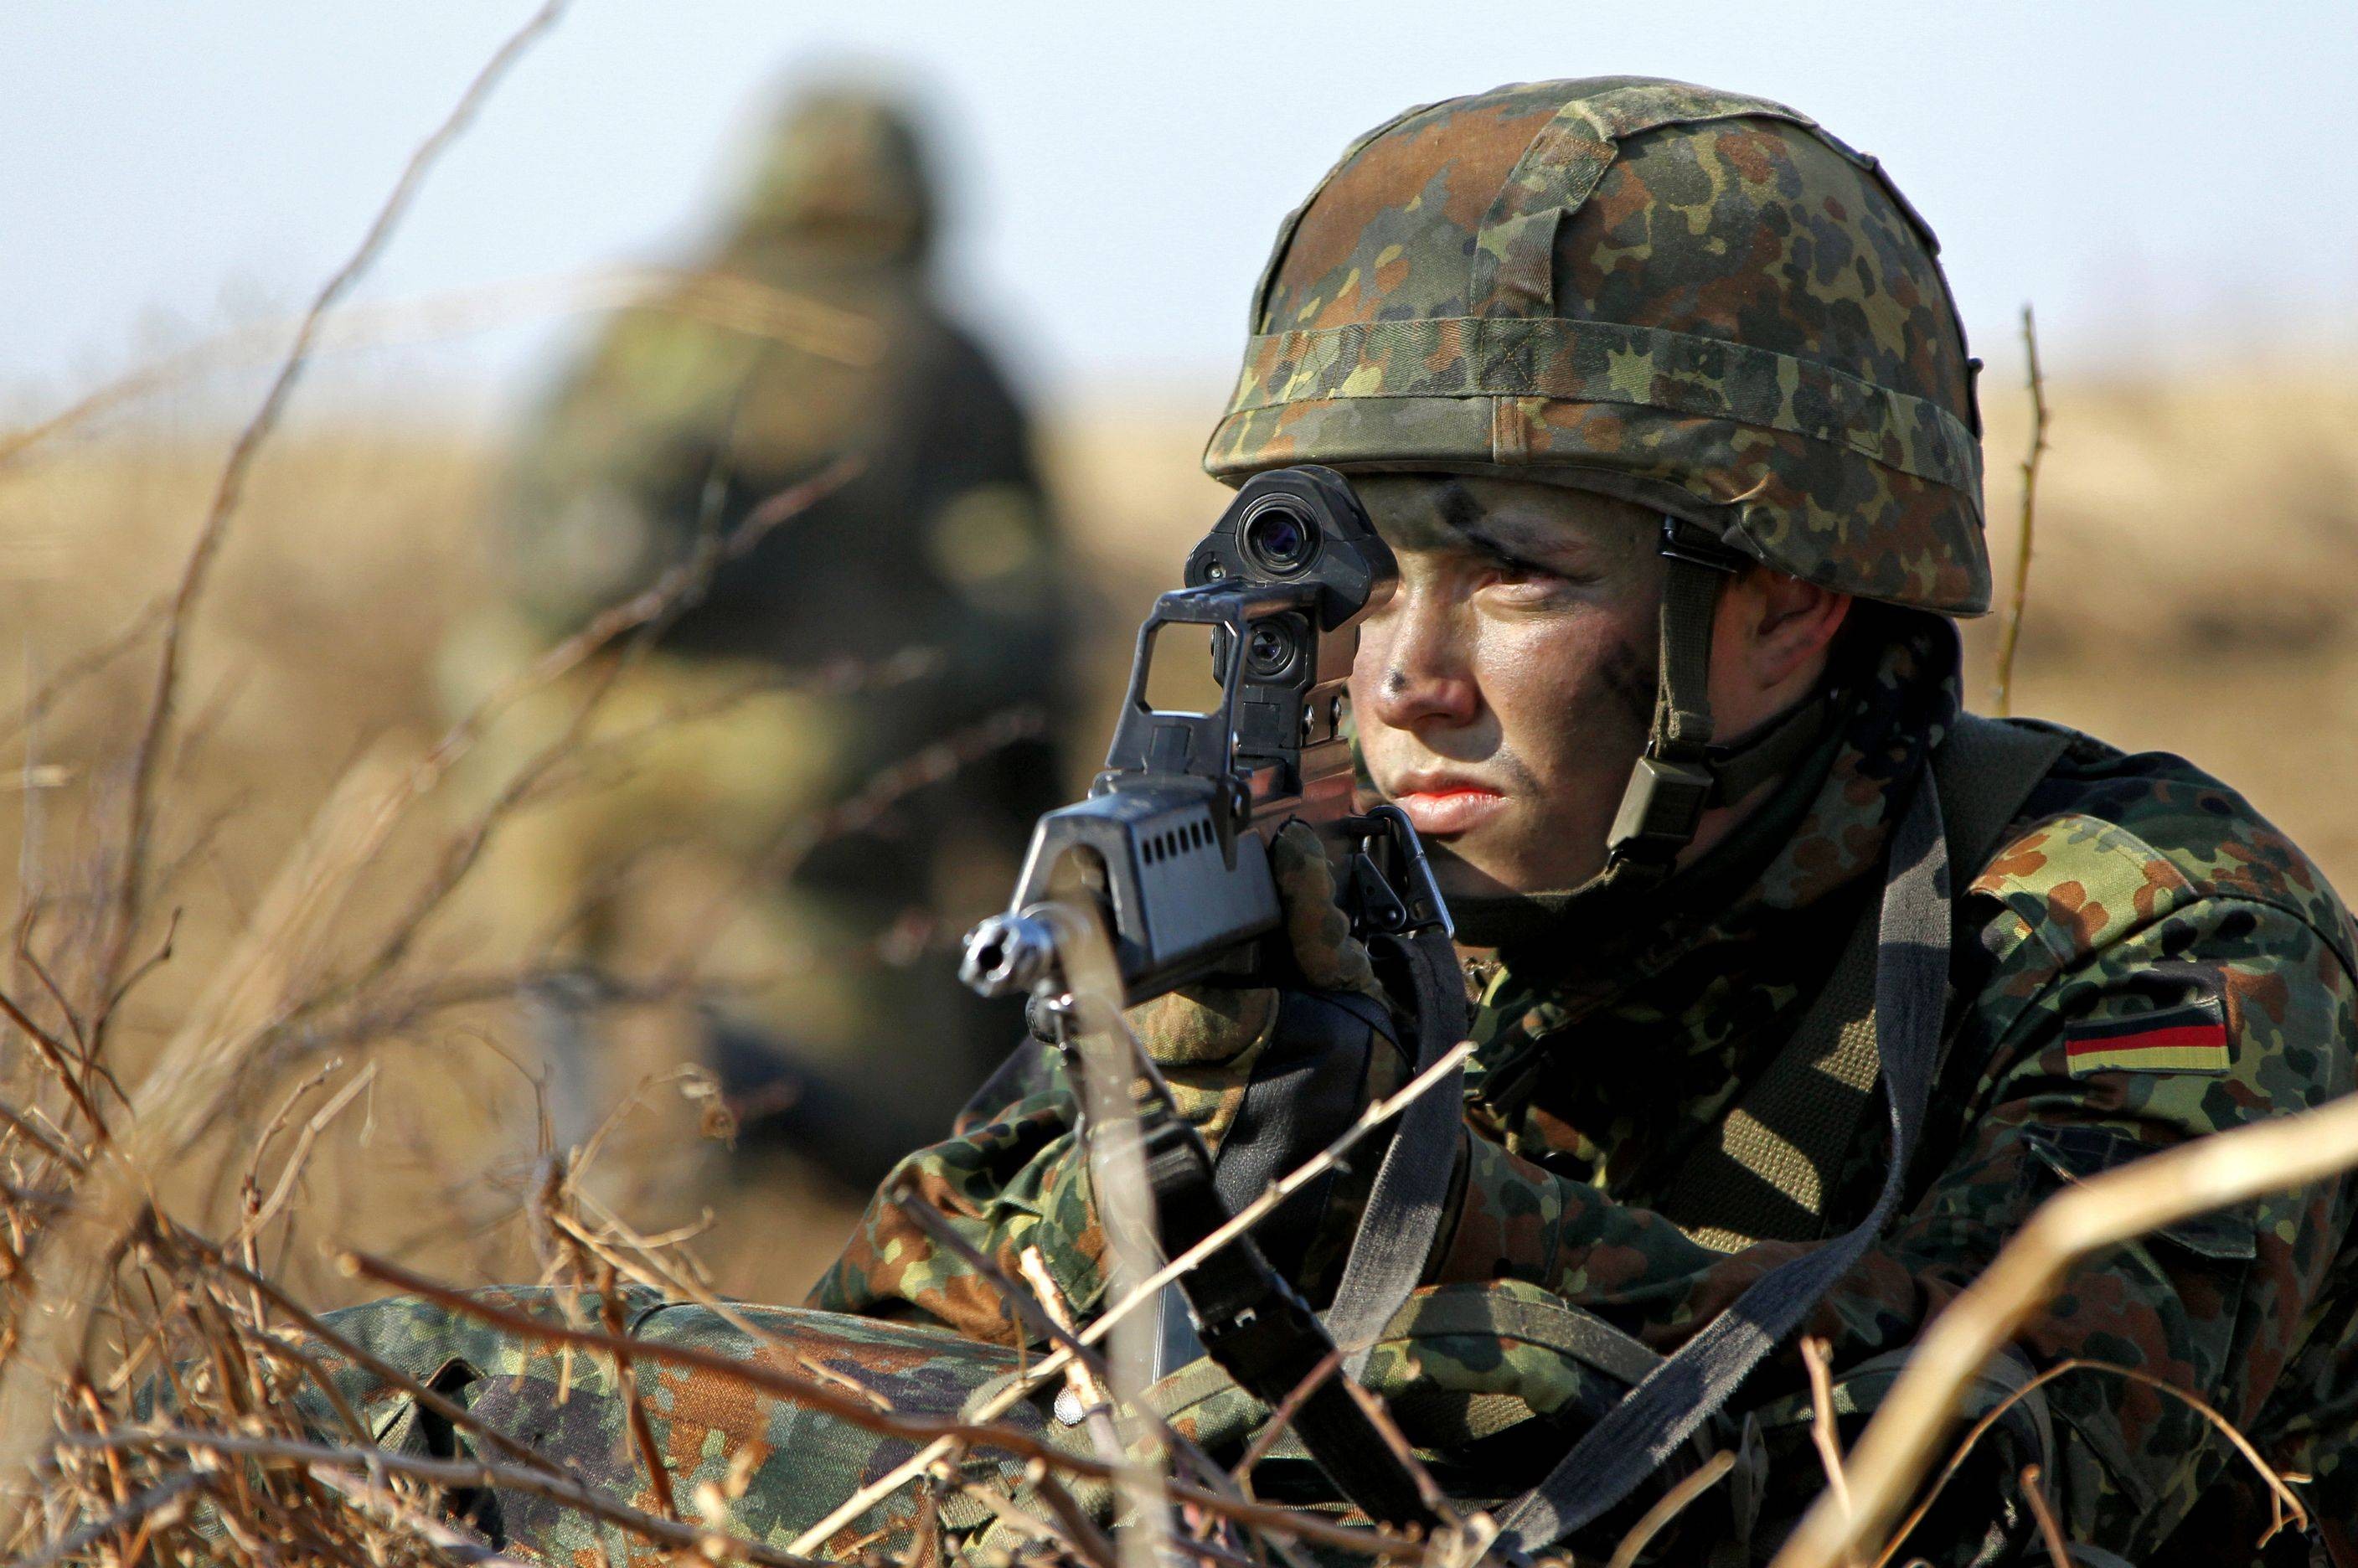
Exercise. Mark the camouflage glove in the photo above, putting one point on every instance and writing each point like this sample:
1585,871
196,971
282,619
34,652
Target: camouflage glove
1209,1040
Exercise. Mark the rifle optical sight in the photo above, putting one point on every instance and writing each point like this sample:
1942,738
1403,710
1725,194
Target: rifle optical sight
1277,537
1172,841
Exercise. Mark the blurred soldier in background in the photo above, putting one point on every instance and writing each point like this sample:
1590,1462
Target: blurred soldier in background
733,769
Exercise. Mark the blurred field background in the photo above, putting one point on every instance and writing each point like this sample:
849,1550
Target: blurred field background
2194,587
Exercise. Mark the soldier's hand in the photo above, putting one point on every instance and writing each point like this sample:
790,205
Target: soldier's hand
1206,1026
1209,1039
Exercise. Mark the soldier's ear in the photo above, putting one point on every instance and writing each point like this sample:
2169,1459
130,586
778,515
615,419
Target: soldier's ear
1778,628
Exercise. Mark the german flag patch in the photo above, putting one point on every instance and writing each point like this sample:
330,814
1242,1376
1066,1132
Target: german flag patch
2190,1038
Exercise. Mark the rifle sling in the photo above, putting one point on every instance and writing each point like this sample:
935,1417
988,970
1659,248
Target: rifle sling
1258,1328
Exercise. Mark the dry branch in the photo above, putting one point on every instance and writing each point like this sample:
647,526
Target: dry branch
2204,1174
200,1071
315,1456
2001,689
130,892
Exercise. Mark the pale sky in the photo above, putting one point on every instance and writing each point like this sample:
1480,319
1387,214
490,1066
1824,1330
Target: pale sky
2167,180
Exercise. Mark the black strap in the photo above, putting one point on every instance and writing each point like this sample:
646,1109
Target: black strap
1404,1208
1680,771
1670,785
1257,1326
1621,1451
1253,1323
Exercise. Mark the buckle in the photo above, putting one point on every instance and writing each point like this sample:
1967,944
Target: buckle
1658,811
1684,541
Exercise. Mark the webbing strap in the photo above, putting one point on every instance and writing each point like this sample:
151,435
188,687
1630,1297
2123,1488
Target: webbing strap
1257,1325
1780,1151
1621,1451
1671,785
1682,696
1486,1311
1986,770
1403,1211
1773,1171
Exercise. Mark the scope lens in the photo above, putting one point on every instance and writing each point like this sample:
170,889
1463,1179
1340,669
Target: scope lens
1280,539
1270,652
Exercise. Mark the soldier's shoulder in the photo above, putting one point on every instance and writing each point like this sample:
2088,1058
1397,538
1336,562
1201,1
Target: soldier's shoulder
2111,841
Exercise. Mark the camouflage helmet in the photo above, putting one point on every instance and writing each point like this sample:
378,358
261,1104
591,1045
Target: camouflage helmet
1693,300
845,168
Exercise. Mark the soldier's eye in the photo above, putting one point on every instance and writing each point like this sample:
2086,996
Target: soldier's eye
1525,584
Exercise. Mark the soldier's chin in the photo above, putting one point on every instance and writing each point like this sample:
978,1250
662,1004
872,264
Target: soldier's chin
1461,879
1487,911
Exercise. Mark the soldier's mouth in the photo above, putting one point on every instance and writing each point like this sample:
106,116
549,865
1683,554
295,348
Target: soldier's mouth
1443,811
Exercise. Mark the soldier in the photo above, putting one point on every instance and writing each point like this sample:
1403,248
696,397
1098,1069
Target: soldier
920,601
1659,395
1660,398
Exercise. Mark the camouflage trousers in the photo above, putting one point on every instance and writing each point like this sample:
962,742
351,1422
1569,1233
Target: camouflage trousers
1484,1379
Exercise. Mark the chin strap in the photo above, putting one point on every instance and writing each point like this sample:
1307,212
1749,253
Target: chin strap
1680,773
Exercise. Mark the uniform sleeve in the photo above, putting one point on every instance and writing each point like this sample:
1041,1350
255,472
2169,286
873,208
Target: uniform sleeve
2102,1046
1011,1175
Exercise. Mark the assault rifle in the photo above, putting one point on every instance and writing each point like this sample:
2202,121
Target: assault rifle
1171,847
1171,842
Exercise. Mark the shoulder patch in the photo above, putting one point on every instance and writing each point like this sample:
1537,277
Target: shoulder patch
2190,1038
2078,883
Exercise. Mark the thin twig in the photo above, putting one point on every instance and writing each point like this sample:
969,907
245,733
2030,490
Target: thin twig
300,1155
715,299
876,795
135,1512
2281,1494
1281,1417
1672,1503
656,1274
61,681
1049,1317
626,1379
54,1148
53,1053
1087,1539
1379,1421
367,1492
1815,1353
1085,1379
2034,1492
130,891
376,1367
2002,690
662,599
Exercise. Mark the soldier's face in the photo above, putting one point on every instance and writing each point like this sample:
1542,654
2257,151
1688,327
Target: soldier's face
1503,693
